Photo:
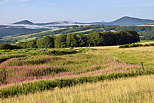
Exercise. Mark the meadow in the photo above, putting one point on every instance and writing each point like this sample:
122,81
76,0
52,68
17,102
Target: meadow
27,71
125,90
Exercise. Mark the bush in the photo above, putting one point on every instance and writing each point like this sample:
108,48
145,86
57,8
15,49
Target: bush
84,50
151,44
5,57
44,71
124,46
135,45
41,85
8,46
59,52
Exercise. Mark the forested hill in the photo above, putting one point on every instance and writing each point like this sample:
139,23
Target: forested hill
146,32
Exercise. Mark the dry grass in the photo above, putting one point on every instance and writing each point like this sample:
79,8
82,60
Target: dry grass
126,90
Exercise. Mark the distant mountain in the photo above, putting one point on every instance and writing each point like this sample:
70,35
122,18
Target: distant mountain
98,23
26,22
126,20
7,31
130,21
26,26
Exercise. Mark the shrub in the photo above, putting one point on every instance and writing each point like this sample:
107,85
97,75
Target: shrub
3,76
124,46
135,45
59,52
41,85
151,44
44,71
5,57
52,51
8,46
83,50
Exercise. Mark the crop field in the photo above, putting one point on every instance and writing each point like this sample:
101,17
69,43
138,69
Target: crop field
27,71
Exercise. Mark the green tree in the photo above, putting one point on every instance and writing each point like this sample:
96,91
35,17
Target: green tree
95,39
22,44
45,42
8,46
109,38
82,40
32,44
71,40
60,41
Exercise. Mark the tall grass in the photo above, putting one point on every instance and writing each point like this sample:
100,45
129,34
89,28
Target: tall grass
35,86
18,72
94,62
125,90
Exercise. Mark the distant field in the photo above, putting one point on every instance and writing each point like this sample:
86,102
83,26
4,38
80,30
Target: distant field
126,90
145,25
145,31
146,41
83,31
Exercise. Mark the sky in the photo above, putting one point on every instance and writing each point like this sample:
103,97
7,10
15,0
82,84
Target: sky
39,11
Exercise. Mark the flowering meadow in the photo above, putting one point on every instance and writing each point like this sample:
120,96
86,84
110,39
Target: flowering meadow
124,90
30,70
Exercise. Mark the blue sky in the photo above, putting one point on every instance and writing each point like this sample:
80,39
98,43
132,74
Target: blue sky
74,10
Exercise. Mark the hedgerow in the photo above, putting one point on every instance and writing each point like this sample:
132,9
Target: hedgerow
36,86
135,45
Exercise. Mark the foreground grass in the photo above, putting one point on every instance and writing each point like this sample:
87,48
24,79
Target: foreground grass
126,90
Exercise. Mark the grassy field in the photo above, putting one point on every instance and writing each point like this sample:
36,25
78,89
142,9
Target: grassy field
28,65
126,90
94,61
146,41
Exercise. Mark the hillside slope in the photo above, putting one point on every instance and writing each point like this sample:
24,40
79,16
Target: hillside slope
24,22
147,32
130,21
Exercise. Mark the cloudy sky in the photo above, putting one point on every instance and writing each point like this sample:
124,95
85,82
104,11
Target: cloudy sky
74,10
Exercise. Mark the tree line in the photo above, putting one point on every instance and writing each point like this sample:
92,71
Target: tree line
106,38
